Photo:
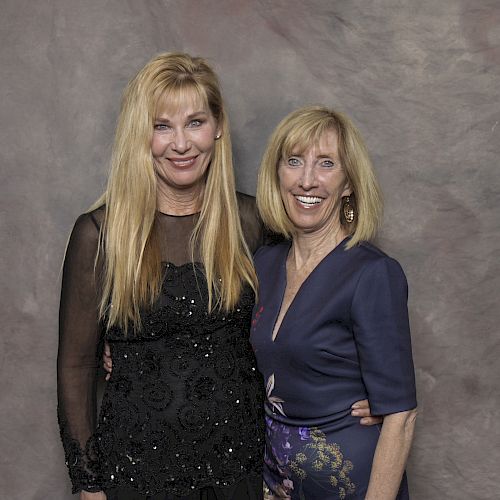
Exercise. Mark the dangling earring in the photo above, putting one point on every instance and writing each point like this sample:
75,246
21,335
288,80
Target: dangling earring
348,209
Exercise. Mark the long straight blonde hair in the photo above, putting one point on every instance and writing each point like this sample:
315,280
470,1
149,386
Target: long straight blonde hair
300,130
132,272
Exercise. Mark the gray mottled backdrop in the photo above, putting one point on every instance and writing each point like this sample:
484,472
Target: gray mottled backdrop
419,77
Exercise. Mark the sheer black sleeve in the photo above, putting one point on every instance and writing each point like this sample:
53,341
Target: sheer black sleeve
256,234
77,360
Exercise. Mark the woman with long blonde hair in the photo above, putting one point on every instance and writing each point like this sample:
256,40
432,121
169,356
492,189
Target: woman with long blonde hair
161,268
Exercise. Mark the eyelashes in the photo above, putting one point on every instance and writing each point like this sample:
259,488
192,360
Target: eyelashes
328,163
161,126
295,162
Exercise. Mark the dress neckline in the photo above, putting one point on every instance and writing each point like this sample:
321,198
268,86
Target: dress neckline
178,216
282,280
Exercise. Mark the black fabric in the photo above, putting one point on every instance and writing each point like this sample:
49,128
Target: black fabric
249,488
182,411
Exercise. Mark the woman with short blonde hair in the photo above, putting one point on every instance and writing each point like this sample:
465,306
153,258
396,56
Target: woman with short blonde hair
331,324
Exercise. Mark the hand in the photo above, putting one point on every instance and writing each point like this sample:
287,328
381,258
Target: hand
98,495
107,362
362,409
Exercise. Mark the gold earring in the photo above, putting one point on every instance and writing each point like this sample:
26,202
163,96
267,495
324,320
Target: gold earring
348,210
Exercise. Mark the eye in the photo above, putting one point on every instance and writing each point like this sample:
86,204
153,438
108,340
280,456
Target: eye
327,163
161,126
293,162
195,123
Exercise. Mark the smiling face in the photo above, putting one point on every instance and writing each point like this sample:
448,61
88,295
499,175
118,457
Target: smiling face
312,184
182,145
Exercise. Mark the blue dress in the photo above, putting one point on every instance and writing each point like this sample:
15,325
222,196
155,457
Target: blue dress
345,337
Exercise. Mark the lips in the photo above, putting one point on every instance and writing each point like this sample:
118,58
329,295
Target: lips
308,201
183,162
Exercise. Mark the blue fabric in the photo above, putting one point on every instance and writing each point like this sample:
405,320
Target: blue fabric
345,337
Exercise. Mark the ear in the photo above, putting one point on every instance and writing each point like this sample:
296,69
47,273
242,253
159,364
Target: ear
347,189
218,131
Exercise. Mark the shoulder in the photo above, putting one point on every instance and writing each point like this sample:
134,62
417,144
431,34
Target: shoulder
245,200
250,221
83,243
367,253
87,227
247,208
375,265
269,256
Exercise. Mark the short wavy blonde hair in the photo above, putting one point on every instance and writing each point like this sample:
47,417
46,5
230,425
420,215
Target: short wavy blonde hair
297,132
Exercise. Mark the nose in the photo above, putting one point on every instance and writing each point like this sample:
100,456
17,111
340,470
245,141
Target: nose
180,143
308,178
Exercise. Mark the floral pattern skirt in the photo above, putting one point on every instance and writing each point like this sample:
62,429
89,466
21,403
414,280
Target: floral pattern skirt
326,462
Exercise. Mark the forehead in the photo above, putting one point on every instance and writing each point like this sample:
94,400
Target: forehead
183,101
323,143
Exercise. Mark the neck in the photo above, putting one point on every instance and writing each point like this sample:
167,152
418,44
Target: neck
179,201
312,247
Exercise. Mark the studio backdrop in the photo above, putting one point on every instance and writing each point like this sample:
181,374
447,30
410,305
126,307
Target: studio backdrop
421,81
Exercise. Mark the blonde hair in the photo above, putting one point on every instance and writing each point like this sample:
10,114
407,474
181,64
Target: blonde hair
132,268
300,130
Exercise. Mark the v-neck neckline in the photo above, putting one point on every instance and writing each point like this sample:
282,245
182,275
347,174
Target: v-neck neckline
282,278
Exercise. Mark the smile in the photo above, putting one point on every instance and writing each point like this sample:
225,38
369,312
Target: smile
183,162
309,200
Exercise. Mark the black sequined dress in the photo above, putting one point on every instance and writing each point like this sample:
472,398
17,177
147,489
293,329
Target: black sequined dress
182,412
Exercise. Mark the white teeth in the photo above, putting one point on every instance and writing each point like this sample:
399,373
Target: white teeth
183,163
309,200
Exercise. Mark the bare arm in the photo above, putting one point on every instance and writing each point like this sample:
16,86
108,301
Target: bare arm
391,455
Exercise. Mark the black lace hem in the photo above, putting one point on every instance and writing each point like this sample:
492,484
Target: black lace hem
81,463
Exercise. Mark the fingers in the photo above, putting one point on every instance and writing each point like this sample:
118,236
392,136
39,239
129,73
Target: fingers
361,404
361,412
107,362
361,409
371,420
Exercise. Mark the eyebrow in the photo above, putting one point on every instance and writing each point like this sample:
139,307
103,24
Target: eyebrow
196,114
323,155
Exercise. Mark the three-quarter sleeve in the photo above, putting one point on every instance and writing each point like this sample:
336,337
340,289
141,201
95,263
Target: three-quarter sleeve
77,360
382,334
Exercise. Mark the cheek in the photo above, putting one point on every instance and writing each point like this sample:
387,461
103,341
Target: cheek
286,179
206,143
158,145
282,186
333,182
